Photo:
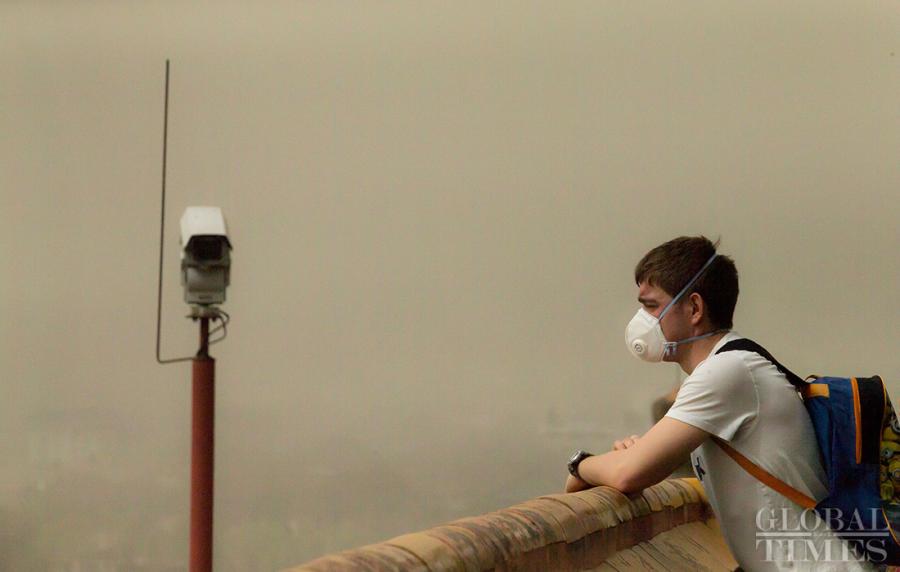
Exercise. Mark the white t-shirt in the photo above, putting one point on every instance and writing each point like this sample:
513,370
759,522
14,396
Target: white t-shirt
744,399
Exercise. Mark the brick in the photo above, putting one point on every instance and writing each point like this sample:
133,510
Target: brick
486,553
684,551
463,545
396,558
508,534
434,553
603,509
570,521
329,563
586,512
618,502
550,529
653,498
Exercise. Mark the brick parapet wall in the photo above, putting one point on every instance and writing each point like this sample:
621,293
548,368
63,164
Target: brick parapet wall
669,524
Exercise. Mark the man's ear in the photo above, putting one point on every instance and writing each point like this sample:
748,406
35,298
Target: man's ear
697,308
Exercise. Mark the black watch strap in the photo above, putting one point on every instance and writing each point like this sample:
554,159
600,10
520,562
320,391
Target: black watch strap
576,460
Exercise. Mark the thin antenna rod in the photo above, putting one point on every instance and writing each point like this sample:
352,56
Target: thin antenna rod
162,225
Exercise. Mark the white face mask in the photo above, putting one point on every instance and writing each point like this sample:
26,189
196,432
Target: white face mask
644,335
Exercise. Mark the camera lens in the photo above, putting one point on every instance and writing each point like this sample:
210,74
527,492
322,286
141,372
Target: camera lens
207,248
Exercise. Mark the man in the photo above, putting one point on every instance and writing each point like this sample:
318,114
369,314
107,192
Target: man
688,293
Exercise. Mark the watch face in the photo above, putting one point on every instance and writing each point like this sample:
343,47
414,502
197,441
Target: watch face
575,460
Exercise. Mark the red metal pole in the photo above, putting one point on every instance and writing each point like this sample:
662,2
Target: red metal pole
202,441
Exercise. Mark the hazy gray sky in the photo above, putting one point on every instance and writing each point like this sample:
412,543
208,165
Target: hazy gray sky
436,210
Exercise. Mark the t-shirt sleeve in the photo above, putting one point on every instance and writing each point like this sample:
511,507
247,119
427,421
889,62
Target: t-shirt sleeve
718,397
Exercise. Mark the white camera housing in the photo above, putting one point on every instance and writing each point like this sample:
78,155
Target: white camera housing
205,255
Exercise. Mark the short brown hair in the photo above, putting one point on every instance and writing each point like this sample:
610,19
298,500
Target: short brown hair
671,265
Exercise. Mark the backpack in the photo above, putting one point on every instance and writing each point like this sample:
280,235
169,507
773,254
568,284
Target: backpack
858,435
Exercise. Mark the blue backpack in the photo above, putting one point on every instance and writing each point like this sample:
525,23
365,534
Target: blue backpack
859,442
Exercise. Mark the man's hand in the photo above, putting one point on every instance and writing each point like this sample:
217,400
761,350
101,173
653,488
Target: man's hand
574,484
625,443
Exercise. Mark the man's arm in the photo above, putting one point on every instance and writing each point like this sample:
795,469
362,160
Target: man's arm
661,405
648,461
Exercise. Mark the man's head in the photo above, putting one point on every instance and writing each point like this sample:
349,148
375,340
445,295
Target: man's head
707,306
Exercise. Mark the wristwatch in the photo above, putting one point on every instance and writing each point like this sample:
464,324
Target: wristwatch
576,459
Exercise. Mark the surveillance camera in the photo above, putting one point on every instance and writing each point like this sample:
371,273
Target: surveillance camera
205,255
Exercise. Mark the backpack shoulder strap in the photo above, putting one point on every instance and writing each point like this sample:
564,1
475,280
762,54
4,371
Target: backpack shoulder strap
765,477
751,346
752,468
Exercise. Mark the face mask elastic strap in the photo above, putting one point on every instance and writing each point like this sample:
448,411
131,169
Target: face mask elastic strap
669,347
688,285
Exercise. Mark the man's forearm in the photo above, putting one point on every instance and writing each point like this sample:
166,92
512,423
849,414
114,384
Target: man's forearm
605,469
647,461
